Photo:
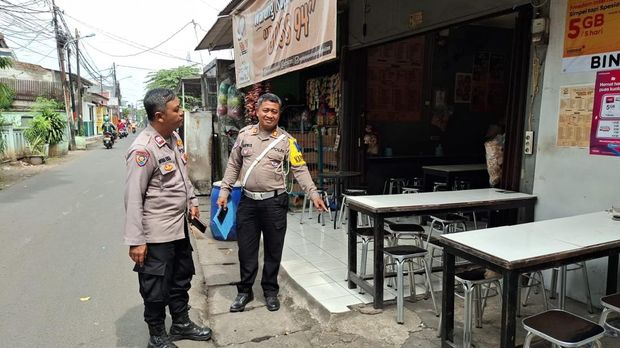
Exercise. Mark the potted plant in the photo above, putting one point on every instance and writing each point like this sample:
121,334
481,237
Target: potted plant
37,135
38,151
54,135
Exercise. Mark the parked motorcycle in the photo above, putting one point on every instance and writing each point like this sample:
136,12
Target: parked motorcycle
108,140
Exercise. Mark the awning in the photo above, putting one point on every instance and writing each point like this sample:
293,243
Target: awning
219,36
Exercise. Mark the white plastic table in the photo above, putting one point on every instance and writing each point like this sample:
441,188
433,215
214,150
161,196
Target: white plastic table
512,250
380,207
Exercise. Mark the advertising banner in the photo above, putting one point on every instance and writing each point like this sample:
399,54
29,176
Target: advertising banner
591,40
274,37
605,131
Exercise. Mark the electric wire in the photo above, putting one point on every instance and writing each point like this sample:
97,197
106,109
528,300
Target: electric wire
125,41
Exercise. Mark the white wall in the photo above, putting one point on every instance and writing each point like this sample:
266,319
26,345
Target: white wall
570,181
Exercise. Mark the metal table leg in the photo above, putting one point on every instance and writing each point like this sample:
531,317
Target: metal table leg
612,274
352,246
378,261
509,309
447,299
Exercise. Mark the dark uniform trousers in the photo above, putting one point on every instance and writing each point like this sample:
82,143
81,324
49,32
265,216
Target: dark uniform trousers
165,279
268,216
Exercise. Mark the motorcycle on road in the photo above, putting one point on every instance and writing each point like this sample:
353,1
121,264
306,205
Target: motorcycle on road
108,140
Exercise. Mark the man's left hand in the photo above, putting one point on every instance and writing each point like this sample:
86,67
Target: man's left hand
194,213
319,204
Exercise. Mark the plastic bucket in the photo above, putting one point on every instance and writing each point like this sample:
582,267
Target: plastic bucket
227,230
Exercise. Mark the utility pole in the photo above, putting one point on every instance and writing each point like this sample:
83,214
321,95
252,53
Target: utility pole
79,82
71,89
114,87
63,75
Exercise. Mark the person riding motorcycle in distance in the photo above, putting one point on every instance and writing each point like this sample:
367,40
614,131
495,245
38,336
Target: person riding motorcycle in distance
121,125
108,127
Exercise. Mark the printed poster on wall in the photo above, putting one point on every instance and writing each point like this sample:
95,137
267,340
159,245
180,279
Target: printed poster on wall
275,37
591,40
605,132
575,119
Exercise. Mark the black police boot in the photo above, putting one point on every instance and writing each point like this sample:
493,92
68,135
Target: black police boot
184,329
159,338
272,302
240,301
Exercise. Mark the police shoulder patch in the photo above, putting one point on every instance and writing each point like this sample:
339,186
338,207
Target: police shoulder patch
142,157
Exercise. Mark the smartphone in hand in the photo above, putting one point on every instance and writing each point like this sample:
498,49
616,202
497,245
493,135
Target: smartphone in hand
221,214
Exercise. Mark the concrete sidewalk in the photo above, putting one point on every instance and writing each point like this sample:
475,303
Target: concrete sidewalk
300,322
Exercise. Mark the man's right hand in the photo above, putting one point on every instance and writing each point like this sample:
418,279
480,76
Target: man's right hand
138,253
222,201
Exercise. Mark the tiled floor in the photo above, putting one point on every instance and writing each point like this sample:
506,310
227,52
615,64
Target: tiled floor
315,257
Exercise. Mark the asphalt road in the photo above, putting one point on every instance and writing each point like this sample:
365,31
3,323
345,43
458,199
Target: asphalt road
60,241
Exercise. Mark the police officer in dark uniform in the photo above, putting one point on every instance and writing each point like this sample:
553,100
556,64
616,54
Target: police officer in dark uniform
259,158
158,196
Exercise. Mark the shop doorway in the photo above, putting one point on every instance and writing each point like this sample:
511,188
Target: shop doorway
437,97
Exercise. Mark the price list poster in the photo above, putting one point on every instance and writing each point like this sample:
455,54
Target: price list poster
575,116
605,132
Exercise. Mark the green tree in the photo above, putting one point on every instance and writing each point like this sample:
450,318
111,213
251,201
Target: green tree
170,78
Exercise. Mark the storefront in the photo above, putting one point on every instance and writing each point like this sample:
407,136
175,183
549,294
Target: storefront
433,94
429,87
433,79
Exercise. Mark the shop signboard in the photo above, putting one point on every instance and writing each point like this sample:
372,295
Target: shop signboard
591,40
274,37
605,131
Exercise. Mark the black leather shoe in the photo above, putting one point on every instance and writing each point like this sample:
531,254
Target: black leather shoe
184,329
240,301
159,338
273,304
161,342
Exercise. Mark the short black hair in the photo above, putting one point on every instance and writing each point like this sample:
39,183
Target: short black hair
270,97
156,99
